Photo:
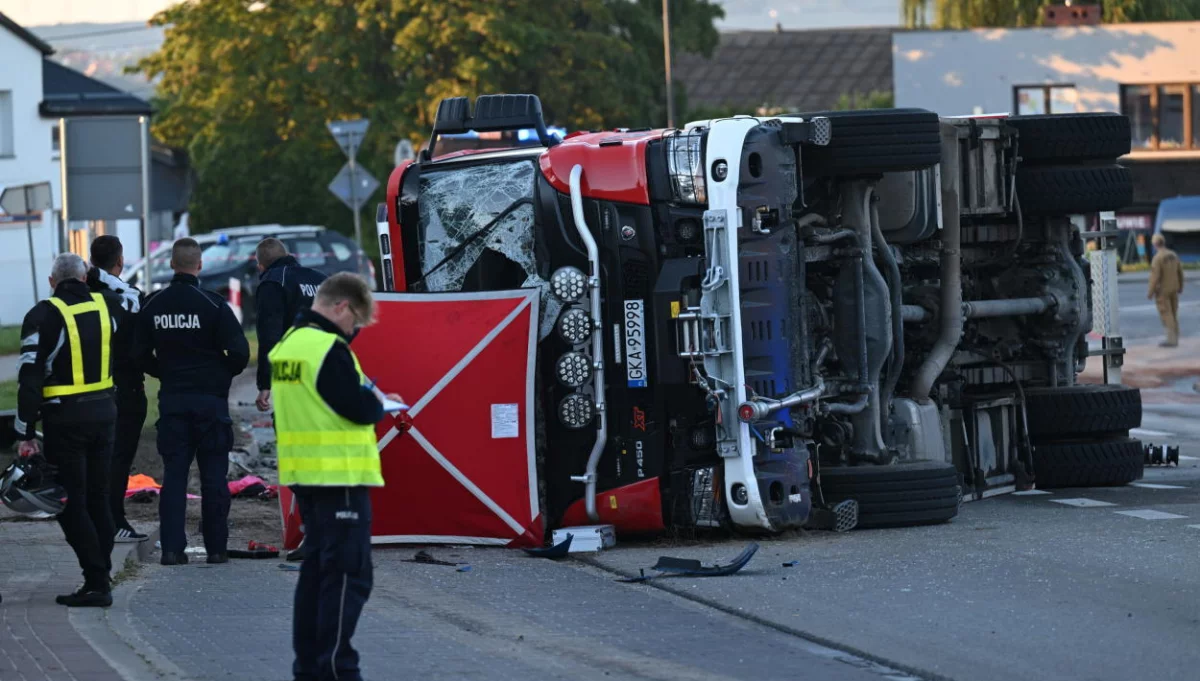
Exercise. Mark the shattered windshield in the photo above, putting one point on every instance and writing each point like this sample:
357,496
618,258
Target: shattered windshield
456,204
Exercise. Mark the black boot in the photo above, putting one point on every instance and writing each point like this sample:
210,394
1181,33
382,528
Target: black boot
218,558
87,597
172,558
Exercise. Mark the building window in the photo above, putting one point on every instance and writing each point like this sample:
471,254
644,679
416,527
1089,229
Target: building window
1163,117
1045,99
6,124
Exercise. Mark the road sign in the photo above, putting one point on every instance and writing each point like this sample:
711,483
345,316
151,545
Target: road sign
353,186
349,135
404,152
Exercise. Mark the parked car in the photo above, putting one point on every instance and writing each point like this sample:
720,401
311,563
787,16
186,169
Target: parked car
229,254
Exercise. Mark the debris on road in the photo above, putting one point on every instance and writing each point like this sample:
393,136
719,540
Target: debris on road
1161,455
556,551
425,558
690,567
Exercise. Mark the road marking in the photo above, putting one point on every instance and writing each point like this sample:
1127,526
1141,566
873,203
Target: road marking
1188,458
1154,485
1081,503
1147,514
1154,308
1030,493
1194,527
1145,432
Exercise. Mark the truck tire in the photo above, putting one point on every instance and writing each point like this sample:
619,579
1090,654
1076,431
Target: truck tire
1082,411
875,141
899,495
1066,138
1106,463
1062,190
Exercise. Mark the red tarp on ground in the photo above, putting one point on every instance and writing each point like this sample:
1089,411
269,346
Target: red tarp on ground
466,472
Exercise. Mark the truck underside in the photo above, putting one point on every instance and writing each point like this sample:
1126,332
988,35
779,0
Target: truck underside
828,319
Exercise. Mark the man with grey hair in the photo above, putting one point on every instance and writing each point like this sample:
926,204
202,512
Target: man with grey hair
65,381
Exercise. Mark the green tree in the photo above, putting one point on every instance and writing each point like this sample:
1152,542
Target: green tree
875,99
958,14
247,87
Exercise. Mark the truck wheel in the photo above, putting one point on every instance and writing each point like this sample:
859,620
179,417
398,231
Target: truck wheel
875,141
1062,190
1088,464
1071,137
900,495
1082,410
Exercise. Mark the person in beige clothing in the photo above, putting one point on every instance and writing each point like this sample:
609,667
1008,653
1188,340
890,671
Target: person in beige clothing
1166,284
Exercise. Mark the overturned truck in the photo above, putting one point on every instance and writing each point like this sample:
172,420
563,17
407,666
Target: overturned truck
829,319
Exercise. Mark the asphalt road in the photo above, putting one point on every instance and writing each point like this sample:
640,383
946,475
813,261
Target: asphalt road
1139,317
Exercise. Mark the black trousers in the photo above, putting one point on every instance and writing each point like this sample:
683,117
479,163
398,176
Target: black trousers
194,427
82,452
131,418
335,581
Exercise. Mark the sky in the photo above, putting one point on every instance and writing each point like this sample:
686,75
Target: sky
740,14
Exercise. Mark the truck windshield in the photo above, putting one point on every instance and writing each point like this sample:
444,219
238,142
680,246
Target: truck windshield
467,212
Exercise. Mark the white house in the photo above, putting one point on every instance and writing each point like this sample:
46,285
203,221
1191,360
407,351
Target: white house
35,93
1148,71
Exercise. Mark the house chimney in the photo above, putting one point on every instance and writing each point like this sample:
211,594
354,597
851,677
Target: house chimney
1071,14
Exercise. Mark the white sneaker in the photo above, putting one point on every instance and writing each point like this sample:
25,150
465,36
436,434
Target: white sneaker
127,535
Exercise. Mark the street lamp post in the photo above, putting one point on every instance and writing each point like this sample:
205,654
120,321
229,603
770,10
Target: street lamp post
667,61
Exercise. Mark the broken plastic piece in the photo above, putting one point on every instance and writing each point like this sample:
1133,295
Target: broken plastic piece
289,568
424,557
690,567
465,568
559,550
791,563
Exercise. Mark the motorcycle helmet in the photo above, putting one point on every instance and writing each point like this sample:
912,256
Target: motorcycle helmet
27,487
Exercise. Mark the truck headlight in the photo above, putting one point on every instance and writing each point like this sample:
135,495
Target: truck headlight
568,284
573,369
685,165
576,411
575,326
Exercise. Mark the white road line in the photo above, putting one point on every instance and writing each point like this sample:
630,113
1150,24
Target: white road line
1154,308
1154,485
1146,432
1081,503
1030,493
1189,458
1147,514
1194,527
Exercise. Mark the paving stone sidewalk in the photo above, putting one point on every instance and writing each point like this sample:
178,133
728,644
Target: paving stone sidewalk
37,639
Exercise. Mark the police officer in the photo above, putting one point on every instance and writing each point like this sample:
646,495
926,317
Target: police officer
188,338
1166,285
325,411
284,289
65,380
108,261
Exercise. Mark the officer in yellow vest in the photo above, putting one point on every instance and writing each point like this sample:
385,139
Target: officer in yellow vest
65,381
325,415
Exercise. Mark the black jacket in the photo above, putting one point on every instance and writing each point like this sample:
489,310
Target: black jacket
189,339
284,290
338,382
125,371
46,360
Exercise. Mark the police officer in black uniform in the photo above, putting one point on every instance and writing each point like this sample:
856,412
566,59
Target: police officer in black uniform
189,338
285,288
108,261
65,381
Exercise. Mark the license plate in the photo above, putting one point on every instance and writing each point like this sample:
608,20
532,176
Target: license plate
635,343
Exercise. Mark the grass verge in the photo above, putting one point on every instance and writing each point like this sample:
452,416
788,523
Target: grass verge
8,389
10,339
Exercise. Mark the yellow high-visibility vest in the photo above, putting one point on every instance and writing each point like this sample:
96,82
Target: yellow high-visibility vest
316,446
79,384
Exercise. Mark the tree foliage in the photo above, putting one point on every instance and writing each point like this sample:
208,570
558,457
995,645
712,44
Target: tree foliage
958,14
875,99
247,87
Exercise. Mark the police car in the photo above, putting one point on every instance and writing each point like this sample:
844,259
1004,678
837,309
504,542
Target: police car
229,254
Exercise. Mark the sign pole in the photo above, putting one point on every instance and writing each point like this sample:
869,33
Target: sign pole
354,193
29,234
144,122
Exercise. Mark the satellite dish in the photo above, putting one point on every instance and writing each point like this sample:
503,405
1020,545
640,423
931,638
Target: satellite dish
404,152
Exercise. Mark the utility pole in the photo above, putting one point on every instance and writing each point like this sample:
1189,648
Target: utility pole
667,61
